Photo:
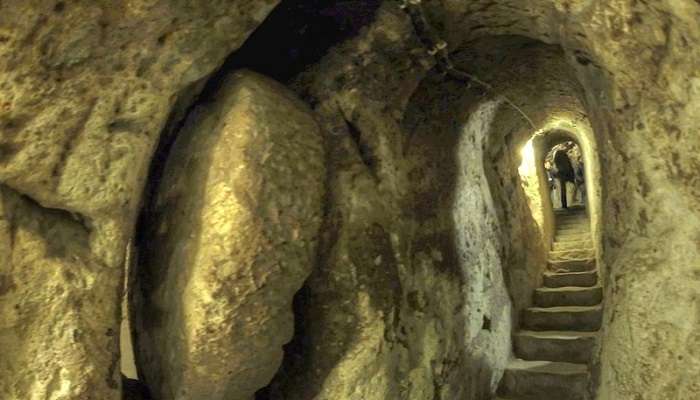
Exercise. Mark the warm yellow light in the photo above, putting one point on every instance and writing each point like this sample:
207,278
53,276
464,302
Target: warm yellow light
530,182
527,165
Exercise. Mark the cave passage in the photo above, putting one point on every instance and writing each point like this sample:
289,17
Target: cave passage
529,326
557,335
529,309
349,199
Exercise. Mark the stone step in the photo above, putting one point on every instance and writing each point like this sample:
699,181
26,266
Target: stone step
565,241
575,254
573,227
568,224
576,347
568,296
572,223
567,236
572,216
569,213
575,217
581,214
544,380
573,209
572,244
561,279
572,231
576,265
575,318
572,220
572,237
563,253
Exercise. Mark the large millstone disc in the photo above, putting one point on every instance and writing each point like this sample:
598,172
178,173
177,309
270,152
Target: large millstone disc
231,240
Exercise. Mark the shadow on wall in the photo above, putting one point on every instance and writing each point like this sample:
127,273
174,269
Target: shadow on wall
327,339
450,125
346,316
488,307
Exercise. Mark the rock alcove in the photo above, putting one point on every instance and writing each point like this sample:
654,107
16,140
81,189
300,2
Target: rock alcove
330,200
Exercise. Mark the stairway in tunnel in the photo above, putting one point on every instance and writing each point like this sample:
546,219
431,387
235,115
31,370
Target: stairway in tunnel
557,336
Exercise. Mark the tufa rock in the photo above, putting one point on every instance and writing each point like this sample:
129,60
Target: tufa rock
232,238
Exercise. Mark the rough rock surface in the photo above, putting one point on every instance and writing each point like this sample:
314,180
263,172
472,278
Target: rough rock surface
638,66
410,299
86,88
380,314
233,237
388,313
55,315
642,115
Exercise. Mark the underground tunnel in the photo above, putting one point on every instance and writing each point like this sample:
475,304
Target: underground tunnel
376,200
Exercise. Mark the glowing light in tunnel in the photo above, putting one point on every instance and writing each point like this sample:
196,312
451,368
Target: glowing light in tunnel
527,165
529,181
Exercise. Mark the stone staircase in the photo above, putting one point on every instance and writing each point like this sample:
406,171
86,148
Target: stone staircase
558,334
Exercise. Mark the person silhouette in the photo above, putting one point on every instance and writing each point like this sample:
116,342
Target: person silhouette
564,172
581,181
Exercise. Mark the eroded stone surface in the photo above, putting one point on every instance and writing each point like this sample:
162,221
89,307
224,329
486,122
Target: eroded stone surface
409,300
637,65
58,307
642,114
233,237
85,90
101,78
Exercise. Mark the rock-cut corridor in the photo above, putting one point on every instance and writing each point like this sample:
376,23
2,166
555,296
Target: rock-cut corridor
349,200
557,338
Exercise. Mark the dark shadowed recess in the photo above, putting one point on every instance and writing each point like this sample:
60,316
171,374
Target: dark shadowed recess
293,350
294,36
297,34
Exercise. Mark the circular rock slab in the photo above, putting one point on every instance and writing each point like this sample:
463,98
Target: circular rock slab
231,238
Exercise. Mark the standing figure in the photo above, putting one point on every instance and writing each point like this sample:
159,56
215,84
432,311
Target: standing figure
581,181
564,171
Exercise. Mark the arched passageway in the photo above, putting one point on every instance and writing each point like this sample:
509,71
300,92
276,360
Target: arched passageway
559,335
564,167
464,237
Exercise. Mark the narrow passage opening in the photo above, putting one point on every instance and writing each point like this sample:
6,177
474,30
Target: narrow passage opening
565,176
559,331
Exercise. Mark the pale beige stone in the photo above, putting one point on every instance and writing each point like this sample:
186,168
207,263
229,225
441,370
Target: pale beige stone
57,332
638,65
391,312
233,237
633,68
85,91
